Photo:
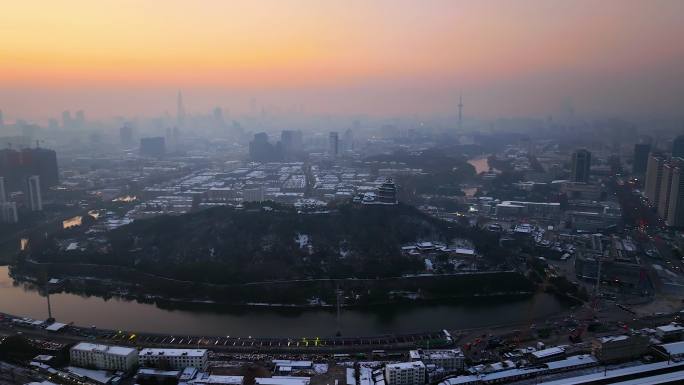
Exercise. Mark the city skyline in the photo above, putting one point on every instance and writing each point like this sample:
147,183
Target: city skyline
526,58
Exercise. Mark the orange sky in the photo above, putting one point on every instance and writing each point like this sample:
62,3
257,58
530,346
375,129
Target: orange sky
481,48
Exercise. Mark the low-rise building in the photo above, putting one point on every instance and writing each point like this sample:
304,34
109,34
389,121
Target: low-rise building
671,351
549,354
405,373
621,347
448,359
87,355
670,332
282,380
174,358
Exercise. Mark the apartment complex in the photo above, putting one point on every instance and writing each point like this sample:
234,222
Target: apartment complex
105,357
174,358
405,373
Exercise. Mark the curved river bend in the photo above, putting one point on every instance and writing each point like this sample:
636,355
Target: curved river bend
217,320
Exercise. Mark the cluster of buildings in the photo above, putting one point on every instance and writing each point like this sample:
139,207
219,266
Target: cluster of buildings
664,185
32,199
641,355
25,175
291,146
292,183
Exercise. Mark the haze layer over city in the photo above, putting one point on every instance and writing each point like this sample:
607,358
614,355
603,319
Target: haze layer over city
303,192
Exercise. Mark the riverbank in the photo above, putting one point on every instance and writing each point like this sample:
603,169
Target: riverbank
114,281
211,319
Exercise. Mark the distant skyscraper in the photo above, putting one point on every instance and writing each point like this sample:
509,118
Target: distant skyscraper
348,140
180,111
678,147
218,117
33,194
153,147
67,122
126,135
581,163
80,119
2,120
654,177
334,144
666,188
291,142
641,151
261,150
11,168
3,191
675,210
460,112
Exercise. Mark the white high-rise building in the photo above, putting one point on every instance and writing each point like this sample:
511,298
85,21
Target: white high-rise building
174,358
405,373
105,357
34,196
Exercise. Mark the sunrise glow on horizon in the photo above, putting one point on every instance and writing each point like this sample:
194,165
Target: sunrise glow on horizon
457,46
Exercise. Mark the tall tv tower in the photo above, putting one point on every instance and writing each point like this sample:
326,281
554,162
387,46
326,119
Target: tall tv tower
460,112
180,111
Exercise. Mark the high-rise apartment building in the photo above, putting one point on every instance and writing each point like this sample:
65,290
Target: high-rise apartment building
641,151
581,162
126,135
665,188
3,190
261,150
671,204
292,143
334,144
33,194
678,147
654,177
16,166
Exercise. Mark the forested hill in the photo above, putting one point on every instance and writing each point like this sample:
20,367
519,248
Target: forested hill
270,242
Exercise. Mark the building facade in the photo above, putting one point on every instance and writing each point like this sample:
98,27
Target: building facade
448,359
334,144
104,357
405,373
33,194
174,358
619,348
640,163
654,177
581,163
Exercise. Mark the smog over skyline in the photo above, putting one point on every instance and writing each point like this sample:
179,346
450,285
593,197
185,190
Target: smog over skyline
377,58
348,192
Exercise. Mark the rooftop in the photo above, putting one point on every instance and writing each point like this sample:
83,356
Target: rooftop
406,365
173,352
116,350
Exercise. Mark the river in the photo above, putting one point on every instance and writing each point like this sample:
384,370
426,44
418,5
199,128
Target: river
208,319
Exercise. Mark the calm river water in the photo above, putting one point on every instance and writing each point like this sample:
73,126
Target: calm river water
242,321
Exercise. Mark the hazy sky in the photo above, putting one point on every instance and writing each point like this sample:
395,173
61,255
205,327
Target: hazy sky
342,56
